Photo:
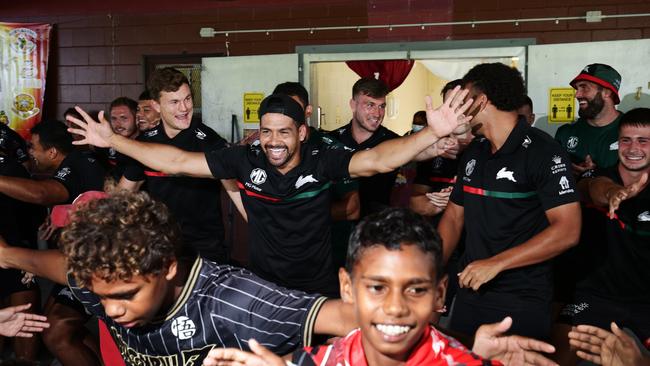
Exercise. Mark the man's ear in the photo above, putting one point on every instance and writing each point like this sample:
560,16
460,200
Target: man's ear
172,269
353,105
155,105
309,110
302,132
346,286
52,153
441,292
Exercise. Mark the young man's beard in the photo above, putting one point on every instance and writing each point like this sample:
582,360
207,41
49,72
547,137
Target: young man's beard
594,107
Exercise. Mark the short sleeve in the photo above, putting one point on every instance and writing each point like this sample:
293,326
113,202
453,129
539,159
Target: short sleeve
550,170
335,162
224,163
88,299
133,170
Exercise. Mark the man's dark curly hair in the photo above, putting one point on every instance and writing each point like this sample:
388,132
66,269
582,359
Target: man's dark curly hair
503,85
392,228
167,79
115,238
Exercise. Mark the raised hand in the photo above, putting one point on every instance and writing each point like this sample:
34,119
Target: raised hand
489,342
446,118
15,323
93,132
615,348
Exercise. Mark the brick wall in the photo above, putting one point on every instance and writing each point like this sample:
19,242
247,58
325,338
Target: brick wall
98,47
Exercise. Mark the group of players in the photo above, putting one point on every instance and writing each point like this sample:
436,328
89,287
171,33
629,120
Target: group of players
131,261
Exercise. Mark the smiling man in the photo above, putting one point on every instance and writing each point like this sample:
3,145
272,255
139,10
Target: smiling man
592,140
284,182
146,115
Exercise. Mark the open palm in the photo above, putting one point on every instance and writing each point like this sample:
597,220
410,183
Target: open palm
94,133
444,119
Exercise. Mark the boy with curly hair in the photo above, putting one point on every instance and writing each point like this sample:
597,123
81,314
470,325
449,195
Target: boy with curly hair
120,257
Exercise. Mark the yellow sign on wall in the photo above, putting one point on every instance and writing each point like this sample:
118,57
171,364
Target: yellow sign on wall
561,105
251,105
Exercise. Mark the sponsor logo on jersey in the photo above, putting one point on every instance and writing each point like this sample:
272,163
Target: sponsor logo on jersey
644,216
62,173
304,180
572,143
469,167
558,166
151,133
506,174
527,141
613,146
183,328
2,159
200,134
258,176
565,186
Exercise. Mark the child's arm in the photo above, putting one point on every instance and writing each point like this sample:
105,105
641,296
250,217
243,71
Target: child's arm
335,318
233,356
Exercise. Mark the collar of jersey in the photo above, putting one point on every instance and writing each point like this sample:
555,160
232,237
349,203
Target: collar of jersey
515,139
185,292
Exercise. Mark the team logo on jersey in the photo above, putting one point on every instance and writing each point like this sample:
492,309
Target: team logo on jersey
613,146
258,176
151,133
558,166
572,142
644,216
183,328
200,134
506,174
304,180
527,141
469,167
62,173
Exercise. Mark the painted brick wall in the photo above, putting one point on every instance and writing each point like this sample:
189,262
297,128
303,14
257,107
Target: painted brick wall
98,47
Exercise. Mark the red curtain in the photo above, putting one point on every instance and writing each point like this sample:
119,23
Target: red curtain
391,72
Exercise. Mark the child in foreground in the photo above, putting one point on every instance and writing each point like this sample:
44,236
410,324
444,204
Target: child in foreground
394,279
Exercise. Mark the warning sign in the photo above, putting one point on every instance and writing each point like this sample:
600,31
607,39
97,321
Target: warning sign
561,105
251,105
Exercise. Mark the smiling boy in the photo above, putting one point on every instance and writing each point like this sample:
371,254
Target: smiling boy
394,280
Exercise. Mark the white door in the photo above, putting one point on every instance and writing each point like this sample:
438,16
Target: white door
224,80
555,65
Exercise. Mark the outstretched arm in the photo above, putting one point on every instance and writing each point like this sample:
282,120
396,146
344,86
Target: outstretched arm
41,192
605,192
15,323
164,158
50,264
394,153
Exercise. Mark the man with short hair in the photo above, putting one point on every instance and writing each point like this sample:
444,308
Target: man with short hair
122,112
284,182
592,140
368,105
616,286
516,202
195,202
146,116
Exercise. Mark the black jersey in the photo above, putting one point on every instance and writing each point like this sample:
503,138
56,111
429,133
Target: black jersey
505,196
374,192
437,173
79,172
114,162
19,220
12,144
194,202
622,274
288,215
219,306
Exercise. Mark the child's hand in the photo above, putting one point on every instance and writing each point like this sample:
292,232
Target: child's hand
235,357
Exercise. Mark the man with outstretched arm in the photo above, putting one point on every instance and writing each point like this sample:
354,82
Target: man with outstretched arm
284,182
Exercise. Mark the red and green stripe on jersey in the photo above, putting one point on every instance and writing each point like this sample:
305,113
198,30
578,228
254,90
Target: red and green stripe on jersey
296,197
497,194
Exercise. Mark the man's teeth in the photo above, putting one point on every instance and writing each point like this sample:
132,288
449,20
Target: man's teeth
392,330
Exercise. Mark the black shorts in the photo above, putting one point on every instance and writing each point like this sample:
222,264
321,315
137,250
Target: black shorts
598,311
530,317
11,280
63,295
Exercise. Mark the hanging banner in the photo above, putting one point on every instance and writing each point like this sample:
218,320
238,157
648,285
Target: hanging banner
24,50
